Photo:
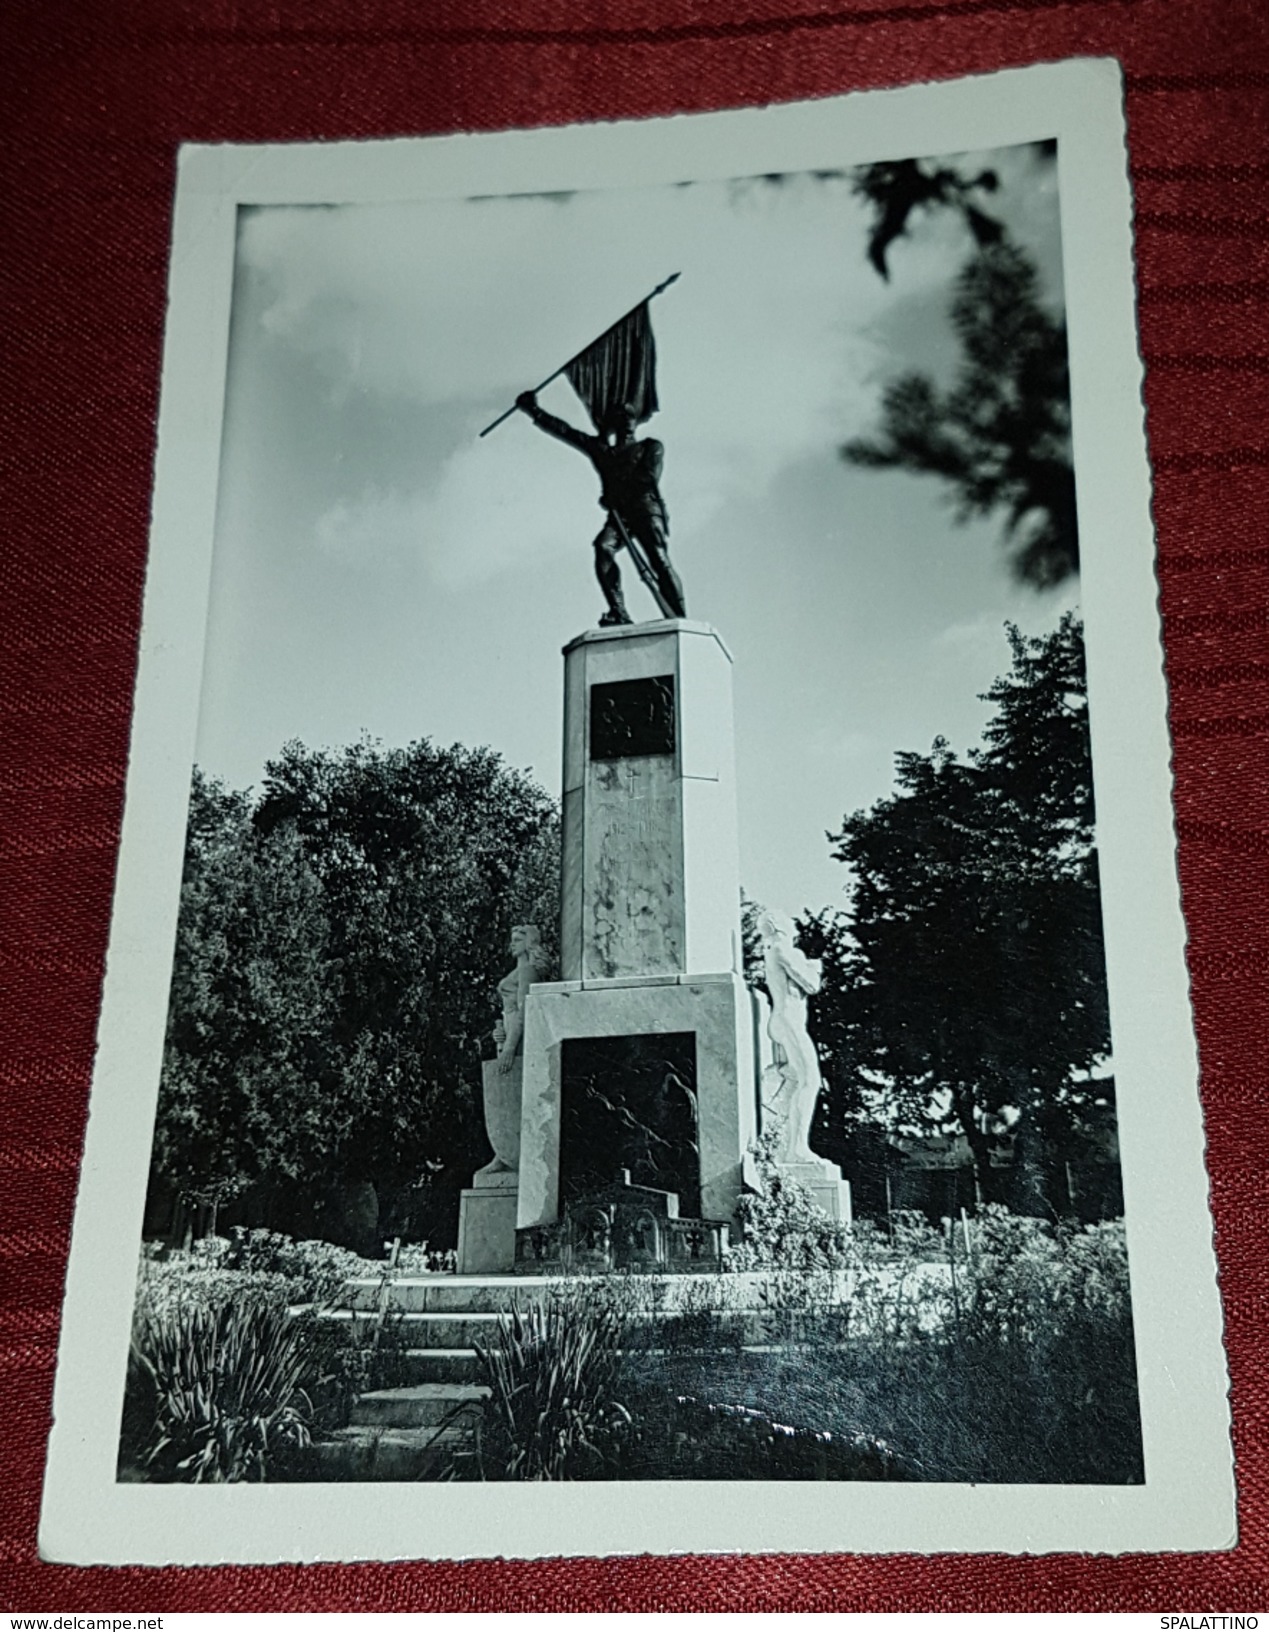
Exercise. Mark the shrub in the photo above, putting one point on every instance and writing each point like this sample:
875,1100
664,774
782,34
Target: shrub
1025,1277
1010,1363
1015,1365
418,1258
214,1393
552,1372
783,1227
251,1266
197,1283
316,1270
911,1355
219,1377
704,1318
1045,1314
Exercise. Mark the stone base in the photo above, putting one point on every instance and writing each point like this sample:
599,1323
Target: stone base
714,1007
487,1227
627,1228
827,1187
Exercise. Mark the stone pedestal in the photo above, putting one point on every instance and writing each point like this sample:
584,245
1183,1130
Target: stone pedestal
714,1008
828,1189
650,913
487,1225
651,861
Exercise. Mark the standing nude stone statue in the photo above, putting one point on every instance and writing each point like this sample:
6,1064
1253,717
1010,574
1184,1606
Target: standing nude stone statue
791,978
629,471
503,1075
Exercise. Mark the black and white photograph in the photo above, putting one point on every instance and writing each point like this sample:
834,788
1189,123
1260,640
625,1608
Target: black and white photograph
647,854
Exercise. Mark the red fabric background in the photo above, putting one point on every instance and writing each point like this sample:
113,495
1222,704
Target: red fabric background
97,94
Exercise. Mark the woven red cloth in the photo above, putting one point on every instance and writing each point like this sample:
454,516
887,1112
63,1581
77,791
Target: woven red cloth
98,93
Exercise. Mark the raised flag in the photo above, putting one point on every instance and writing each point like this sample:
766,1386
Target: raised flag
619,370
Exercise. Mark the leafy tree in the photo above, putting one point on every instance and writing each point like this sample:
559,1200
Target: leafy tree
965,991
1000,438
245,1006
338,951
897,189
427,857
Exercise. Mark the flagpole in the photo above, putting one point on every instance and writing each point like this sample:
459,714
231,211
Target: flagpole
673,277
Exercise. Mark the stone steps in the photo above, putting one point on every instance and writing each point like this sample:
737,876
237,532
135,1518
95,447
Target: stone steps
382,1455
440,1365
409,1432
445,1294
488,1294
436,1347
432,1324
424,1405
423,1330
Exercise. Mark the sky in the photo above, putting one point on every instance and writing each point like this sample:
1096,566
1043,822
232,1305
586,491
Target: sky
381,570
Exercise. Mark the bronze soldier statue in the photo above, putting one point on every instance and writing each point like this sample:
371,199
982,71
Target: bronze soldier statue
629,472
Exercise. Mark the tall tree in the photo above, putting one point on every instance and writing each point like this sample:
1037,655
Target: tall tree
247,1005
1000,438
899,189
967,988
338,951
427,857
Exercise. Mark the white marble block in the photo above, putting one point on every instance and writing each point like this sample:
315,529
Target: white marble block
650,848
715,1008
650,898
487,1228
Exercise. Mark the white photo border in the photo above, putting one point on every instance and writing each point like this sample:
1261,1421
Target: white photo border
1187,1501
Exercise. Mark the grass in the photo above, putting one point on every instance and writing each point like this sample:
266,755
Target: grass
553,1371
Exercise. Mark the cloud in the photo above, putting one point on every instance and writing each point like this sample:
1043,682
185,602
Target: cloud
482,515
763,345
375,526
363,519
771,347
1016,603
971,633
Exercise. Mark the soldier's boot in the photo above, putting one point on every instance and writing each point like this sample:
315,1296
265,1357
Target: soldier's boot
609,575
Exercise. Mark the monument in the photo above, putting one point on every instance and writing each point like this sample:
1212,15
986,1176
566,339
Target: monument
629,471
649,932
641,1077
